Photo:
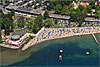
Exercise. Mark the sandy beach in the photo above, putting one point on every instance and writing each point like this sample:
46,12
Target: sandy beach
46,34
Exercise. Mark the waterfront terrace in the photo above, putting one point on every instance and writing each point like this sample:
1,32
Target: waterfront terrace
16,40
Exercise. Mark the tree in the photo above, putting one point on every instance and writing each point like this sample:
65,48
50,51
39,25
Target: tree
58,8
73,17
12,12
97,15
50,6
7,23
88,8
64,10
35,28
70,11
1,11
35,6
97,8
92,3
20,22
30,26
56,20
38,24
11,26
46,15
39,20
7,2
80,18
85,12
48,22
81,8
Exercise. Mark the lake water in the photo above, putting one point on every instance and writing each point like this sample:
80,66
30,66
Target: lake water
47,53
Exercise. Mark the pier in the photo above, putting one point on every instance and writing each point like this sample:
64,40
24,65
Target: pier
95,38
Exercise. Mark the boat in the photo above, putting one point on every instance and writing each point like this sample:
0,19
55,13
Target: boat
60,57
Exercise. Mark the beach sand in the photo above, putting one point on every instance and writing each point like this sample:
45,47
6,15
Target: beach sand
51,37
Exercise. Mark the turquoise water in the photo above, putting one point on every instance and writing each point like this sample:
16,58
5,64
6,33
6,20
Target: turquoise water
75,48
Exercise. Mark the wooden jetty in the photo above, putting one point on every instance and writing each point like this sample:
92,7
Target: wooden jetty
95,38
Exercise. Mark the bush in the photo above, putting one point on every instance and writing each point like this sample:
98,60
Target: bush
0,41
30,37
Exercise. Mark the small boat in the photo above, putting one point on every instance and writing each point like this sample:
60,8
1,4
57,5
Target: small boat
60,58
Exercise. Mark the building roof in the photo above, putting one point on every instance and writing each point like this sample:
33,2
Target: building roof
85,0
92,19
20,33
59,16
84,4
15,37
35,11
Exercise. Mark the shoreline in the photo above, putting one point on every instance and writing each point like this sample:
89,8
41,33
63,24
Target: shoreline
80,34
46,34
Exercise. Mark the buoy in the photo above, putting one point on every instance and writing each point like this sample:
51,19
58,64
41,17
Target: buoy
87,53
61,51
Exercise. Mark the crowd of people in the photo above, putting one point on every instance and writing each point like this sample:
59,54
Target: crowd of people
51,33
54,33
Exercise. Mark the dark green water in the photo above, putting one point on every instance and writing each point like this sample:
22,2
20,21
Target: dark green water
47,53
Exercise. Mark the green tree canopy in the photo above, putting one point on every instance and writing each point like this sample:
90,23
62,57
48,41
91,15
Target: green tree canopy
81,8
78,16
48,22
46,15
97,8
64,10
7,25
12,12
85,12
73,17
92,3
56,20
89,8
97,15
21,22
1,11
38,24
71,10
58,8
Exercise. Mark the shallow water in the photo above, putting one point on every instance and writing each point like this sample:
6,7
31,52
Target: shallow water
47,53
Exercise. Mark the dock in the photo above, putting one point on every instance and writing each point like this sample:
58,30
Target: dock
95,39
